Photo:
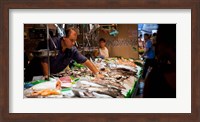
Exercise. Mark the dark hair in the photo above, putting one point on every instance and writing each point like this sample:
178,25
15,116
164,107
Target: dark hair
102,40
68,31
148,35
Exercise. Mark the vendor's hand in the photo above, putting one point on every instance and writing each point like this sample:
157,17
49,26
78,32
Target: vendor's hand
99,76
45,77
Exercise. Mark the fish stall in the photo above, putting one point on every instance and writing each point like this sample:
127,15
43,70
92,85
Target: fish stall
77,81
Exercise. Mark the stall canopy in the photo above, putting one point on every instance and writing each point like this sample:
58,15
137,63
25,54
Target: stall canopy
147,27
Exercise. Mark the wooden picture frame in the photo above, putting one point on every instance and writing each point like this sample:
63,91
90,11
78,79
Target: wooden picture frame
194,5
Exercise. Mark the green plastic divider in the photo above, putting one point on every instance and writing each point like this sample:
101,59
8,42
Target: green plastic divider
138,63
131,91
66,89
38,81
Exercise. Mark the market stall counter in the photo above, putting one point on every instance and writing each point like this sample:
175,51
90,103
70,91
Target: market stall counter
120,81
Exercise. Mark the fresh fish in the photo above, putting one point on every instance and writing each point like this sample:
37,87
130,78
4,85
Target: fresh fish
78,92
88,94
102,90
97,95
119,77
109,83
108,91
65,79
83,93
47,85
54,96
68,94
45,92
128,84
43,89
81,82
124,92
126,68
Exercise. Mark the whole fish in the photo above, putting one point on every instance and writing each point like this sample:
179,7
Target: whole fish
104,90
47,85
108,83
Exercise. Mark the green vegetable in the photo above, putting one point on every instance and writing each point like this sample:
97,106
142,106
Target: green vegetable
74,79
77,79
78,65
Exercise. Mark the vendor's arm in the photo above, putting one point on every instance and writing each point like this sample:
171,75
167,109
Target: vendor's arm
45,68
91,66
83,60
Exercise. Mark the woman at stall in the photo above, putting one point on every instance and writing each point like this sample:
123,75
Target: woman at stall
103,51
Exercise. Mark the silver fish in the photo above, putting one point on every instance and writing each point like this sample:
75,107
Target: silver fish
109,83
97,95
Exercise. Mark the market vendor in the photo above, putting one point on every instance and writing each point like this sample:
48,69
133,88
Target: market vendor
67,53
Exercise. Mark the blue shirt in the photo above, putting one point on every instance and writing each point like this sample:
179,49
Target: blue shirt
62,60
150,54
